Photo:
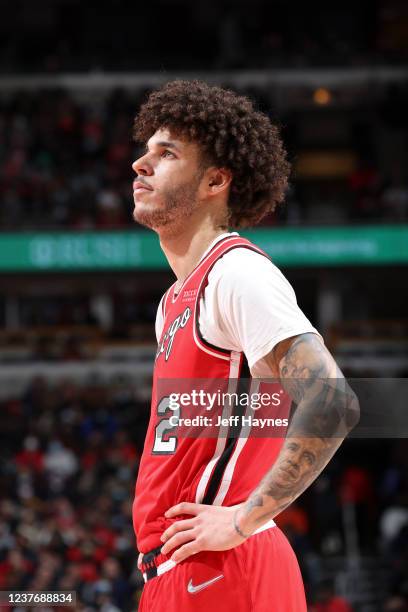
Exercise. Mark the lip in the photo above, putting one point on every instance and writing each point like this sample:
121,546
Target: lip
139,186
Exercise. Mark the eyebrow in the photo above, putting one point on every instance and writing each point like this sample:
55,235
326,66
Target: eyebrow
165,143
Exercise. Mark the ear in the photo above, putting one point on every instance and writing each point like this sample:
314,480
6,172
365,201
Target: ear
217,181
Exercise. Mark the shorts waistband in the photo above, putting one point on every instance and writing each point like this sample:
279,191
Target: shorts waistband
155,564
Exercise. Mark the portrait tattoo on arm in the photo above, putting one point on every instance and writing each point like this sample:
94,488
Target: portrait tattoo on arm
326,410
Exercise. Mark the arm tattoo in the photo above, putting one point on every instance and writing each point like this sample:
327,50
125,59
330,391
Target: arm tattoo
238,530
255,500
326,410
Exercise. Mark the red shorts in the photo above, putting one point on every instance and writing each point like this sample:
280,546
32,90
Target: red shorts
260,575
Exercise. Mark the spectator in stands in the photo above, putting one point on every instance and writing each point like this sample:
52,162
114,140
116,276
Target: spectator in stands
60,463
393,520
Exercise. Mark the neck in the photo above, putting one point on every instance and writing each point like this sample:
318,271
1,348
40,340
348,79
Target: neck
184,250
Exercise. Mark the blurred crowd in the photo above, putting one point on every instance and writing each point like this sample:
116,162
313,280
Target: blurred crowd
66,163
69,460
68,466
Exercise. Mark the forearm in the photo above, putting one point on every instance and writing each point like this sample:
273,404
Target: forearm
282,484
327,409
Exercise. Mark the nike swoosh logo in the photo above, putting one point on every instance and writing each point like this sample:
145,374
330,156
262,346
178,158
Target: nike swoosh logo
199,587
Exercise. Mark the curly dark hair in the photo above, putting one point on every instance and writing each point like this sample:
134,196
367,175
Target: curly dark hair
231,134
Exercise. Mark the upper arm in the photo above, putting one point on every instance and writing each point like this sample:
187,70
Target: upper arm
302,356
308,371
300,361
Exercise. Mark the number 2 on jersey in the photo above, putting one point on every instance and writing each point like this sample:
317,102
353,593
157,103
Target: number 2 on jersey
165,446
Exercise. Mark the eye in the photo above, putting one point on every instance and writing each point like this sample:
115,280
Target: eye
168,154
309,457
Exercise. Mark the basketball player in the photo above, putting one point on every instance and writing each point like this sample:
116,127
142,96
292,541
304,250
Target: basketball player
204,506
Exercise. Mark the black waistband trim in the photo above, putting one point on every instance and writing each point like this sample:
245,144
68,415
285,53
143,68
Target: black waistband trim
149,557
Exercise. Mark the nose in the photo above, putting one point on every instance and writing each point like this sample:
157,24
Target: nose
142,167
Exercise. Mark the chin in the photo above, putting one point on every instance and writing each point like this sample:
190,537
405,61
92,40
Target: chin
146,218
141,211
141,218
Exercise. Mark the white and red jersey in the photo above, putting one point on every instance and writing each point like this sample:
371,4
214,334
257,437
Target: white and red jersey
220,470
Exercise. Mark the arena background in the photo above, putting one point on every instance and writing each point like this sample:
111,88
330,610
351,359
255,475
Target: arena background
80,283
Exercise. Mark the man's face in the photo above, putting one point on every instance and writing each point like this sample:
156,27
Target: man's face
165,190
297,465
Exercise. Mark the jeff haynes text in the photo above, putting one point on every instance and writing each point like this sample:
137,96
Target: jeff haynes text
231,421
